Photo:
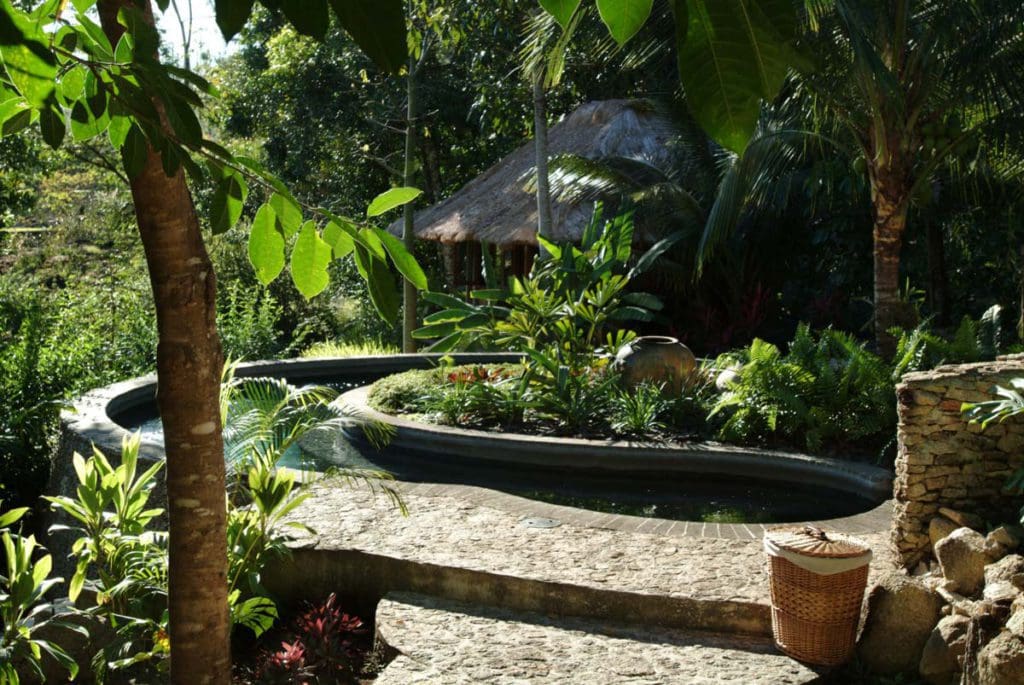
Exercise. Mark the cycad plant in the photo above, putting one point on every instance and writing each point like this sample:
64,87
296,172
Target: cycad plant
265,418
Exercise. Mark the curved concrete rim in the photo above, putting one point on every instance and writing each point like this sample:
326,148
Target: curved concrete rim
94,414
624,456
93,417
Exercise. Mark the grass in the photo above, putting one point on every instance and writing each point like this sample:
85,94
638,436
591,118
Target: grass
364,348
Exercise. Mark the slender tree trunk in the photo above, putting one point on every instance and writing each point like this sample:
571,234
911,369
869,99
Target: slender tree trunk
890,212
938,281
409,229
189,364
1020,321
430,165
540,137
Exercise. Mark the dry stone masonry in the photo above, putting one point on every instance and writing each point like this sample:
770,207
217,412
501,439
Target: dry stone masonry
945,463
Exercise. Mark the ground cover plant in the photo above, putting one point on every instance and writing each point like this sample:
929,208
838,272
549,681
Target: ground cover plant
824,391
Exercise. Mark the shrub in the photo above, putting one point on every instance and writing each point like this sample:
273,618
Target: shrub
639,412
828,390
24,583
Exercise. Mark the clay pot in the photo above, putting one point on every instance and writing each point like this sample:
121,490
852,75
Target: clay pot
655,359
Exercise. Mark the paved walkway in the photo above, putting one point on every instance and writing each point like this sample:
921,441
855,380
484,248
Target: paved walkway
557,583
478,529
442,642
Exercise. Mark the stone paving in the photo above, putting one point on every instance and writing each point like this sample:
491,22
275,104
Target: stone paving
486,549
440,641
451,531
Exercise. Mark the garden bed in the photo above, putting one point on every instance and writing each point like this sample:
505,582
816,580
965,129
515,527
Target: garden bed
630,458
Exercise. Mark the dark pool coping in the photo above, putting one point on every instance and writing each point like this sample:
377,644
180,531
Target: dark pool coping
93,416
627,457
92,420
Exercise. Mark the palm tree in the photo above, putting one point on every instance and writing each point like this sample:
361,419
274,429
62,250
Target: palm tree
913,84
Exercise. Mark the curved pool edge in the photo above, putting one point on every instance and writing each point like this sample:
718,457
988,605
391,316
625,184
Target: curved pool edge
621,456
92,422
93,416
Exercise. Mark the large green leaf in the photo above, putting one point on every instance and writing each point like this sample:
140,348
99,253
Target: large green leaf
375,272
624,17
51,123
378,26
736,54
561,10
232,15
228,200
26,55
389,199
341,237
288,213
404,261
310,259
307,16
266,245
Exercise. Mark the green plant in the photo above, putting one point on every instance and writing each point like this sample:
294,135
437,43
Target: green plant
24,584
1010,403
920,349
247,320
450,402
265,418
362,348
577,397
638,412
827,390
110,507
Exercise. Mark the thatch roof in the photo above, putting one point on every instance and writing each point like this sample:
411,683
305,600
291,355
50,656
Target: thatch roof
496,208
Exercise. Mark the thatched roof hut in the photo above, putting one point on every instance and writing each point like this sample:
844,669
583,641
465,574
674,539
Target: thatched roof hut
496,208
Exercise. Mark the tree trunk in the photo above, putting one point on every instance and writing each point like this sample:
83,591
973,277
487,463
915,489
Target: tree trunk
189,364
408,229
540,137
1020,321
890,212
938,280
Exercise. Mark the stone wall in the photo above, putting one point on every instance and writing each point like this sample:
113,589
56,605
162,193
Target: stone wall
945,462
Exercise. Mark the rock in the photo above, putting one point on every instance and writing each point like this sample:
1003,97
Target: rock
1009,569
1005,537
1016,624
962,518
903,606
726,379
1000,592
1001,661
963,558
939,527
941,660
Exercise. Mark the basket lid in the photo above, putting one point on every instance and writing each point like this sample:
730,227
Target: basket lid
812,541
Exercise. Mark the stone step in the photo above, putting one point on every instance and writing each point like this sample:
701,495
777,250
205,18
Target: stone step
442,641
479,546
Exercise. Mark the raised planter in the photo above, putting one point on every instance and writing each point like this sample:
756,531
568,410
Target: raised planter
625,457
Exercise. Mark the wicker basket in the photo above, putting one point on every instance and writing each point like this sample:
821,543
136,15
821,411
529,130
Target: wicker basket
817,582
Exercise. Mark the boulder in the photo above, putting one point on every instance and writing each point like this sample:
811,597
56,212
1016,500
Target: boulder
1009,569
941,660
1001,661
1016,622
1004,538
939,527
903,606
963,558
962,518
